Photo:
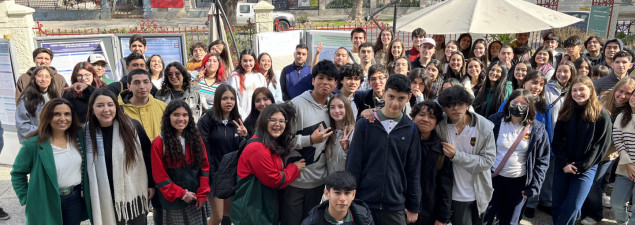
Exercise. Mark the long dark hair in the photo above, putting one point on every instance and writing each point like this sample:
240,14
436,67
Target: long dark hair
461,73
187,79
241,71
270,76
379,45
484,59
173,155
283,144
533,57
217,110
540,102
489,48
464,51
250,121
423,75
391,58
224,55
32,95
149,61
531,112
127,129
500,87
481,76
97,82
515,82
572,70
44,130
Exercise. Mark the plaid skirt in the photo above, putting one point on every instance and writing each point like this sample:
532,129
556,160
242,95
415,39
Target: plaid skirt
187,216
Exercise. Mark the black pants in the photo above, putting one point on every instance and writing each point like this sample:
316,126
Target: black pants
465,213
384,217
296,203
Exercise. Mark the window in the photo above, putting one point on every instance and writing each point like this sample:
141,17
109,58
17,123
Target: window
244,9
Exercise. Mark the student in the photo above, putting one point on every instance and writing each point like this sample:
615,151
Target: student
495,90
79,95
294,78
492,49
155,66
557,87
535,83
417,37
180,167
366,56
139,104
435,73
352,76
468,140
179,86
382,43
475,69
581,138
522,53
41,57
261,99
456,70
573,45
623,133
401,66
520,71
611,47
262,168
399,163
134,61
219,47
221,131
479,52
522,39
197,52
52,157
552,41
593,45
266,68
522,157
340,206
419,85
436,169
506,55
342,118
118,163
212,77
99,63
377,76
341,57
312,128
245,80
358,36
41,88
439,41
426,54
136,44
583,65
598,72
450,47
465,43
621,63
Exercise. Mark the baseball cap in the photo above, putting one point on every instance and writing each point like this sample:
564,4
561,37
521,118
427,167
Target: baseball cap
429,41
96,58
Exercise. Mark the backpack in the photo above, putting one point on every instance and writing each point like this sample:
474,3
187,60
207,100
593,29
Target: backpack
224,183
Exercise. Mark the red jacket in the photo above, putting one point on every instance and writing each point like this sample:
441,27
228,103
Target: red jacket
413,53
172,191
257,159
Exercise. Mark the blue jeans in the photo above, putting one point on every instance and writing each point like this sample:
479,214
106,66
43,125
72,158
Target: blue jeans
569,193
623,189
72,206
507,201
593,205
545,191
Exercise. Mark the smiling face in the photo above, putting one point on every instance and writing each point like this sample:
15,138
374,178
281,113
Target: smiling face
43,80
584,69
542,57
534,86
593,45
62,118
397,49
84,76
138,47
377,82
427,50
179,119
350,84
386,38
439,40
211,66
357,39
105,110
337,111
42,59
553,44
479,50
218,48
276,125
623,94
465,43
580,93
394,102
495,73
520,71
175,77
416,41
247,62
100,68
425,121
433,72
451,47
156,65
198,54
563,74
323,84
611,49
265,62
339,200
456,62
227,102
401,66
474,69
261,101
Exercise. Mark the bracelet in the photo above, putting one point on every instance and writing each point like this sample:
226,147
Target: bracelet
184,195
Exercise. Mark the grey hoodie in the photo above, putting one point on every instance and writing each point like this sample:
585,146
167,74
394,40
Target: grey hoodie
553,90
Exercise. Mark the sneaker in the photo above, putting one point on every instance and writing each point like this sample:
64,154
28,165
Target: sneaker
588,221
530,212
606,201
4,215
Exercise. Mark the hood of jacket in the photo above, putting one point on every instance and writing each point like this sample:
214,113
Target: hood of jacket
619,42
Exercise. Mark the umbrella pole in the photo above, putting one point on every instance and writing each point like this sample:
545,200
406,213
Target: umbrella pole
231,31
371,16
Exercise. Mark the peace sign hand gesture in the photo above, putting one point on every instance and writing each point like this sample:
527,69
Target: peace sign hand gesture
241,129
344,142
320,135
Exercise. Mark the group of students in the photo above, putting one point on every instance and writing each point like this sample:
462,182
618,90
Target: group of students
441,133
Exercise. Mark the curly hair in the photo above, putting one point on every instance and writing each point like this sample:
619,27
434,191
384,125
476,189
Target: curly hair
172,146
187,79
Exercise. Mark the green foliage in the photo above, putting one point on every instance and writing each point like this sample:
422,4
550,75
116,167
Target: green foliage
302,19
628,39
504,38
345,4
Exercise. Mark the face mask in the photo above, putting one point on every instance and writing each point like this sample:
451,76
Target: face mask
518,110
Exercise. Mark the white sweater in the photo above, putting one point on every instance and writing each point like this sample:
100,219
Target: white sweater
243,98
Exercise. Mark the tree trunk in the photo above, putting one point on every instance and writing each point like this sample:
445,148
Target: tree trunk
230,9
356,13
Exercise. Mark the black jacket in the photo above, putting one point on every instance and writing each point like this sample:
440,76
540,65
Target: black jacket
359,209
219,139
363,100
436,183
80,103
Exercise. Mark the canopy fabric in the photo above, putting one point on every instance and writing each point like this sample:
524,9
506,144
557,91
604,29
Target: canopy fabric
484,17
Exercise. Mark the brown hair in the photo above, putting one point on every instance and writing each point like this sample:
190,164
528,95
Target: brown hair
591,110
44,130
97,82
608,97
349,120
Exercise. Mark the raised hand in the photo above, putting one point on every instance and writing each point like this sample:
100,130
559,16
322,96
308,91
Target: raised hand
318,49
77,87
345,141
320,135
241,129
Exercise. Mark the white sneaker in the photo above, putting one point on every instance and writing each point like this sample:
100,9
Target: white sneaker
606,201
588,221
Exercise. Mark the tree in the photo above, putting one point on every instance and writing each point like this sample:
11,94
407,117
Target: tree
356,13
230,9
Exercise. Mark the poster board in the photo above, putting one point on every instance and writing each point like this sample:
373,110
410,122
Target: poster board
599,20
331,41
8,76
166,4
171,47
281,54
70,50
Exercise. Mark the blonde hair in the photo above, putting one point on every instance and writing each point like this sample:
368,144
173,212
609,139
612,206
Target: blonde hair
608,97
591,110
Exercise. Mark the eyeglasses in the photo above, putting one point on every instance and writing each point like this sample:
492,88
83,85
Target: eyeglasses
280,122
43,76
375,79
79,76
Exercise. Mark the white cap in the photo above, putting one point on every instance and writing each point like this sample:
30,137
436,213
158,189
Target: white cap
429,41
96,58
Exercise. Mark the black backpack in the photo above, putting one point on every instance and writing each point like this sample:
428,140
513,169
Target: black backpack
224,183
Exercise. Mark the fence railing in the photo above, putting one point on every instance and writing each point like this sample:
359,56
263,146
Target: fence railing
62,4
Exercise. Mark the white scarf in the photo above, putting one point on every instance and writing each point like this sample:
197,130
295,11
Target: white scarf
131,185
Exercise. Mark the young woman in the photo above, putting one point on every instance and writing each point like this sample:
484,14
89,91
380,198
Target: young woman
495,90
450,47
261,165
419,86
261,99
535,83
542,60
266,69
118,163
212,77
179,86
465,43
52,156
220,48
583,65
493,50
198,51
624,186
557,88
222,133
155,67
581,138
479,51
476,71
518,174
520,71
382,44
246,80
396,51
180,167
80,94
343,120
38,92
456,70
435,73
439,40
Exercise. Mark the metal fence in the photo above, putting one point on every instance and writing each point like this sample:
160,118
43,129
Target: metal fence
62,4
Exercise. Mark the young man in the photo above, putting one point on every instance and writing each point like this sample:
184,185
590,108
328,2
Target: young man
366,55
134,61
621,63
295,78
506,55
428,48
468,140
340,58
352,76
41,57
573,45
522,39
313,128
417,37
611,47
340,206
138,103
358,36
593,45
551,40
390,185
368,99
137,43
99,63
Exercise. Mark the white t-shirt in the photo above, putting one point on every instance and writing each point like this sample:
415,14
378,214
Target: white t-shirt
68,165
463,188
516,164
243,100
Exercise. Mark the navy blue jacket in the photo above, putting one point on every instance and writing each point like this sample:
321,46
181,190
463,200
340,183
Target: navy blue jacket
361,214
295,80
437,179
537,154
387,166
363,100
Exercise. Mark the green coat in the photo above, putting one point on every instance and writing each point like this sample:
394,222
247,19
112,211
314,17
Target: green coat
40,193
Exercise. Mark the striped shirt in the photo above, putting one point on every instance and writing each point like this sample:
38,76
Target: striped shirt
624,137
208,91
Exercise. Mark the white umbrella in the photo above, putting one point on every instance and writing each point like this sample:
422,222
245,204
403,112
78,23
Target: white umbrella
484,17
